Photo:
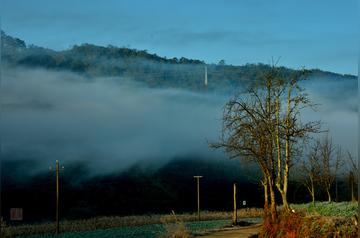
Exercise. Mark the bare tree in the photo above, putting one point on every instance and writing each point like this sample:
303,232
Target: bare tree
244,135
311,167
330,162
290,130
257,127
353,175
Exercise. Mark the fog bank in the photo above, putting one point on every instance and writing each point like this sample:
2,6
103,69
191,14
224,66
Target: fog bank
113,123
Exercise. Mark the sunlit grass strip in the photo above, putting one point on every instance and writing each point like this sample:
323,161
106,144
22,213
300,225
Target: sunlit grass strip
340,209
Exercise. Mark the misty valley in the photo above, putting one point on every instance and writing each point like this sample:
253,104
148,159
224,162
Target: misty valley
131,129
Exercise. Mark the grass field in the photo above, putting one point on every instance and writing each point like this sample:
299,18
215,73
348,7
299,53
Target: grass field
146,224
145,231
156,225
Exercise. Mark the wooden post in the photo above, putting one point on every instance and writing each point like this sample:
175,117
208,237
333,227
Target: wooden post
57,188
57,196
235,208
198,195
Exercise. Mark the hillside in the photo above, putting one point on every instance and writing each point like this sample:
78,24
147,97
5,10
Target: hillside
142,187
139,65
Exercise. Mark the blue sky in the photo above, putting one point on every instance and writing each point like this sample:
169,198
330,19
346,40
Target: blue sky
315,34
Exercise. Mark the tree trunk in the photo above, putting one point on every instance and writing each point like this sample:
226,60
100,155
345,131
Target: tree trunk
266,195
286,174
282,187
313,194
329,195
286,206
313,199
353,199
272,200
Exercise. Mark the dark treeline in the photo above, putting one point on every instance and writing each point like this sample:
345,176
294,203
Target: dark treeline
139,65
139,189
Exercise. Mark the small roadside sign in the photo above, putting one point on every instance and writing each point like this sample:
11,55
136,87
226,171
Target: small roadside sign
244,203
16,214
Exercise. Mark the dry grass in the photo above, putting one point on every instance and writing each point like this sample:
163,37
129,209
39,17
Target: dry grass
291,225
125,221
175,229
217,215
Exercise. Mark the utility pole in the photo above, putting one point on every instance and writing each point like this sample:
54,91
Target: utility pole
198,194
235,208
57,171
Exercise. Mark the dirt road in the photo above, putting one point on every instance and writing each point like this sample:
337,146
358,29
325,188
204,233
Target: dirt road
236,232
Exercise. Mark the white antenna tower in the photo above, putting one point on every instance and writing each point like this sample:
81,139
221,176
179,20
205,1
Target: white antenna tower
206,79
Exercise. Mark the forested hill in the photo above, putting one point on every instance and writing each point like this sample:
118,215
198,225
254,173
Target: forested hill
138,65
